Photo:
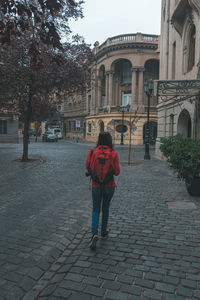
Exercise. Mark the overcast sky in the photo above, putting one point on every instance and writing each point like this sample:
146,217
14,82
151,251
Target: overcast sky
107,18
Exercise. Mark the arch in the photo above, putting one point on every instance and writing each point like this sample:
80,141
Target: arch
114,62
151,67
189,45
184,125
122,81
152,130
101,71
151,70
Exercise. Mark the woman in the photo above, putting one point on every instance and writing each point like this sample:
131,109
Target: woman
102,163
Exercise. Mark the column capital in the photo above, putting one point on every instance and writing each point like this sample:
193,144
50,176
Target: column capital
109,72
138,69
141,69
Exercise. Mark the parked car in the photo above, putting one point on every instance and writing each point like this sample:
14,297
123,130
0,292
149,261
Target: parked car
49,136
57,131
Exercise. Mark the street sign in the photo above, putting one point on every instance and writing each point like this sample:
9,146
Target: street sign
121,128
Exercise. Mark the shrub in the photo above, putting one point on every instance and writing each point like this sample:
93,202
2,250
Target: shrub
183,155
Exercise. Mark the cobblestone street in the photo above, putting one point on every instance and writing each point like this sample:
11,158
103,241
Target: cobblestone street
153,249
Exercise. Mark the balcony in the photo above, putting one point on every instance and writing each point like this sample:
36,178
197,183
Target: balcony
136,38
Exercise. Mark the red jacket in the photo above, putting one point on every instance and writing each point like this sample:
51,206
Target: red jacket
115,164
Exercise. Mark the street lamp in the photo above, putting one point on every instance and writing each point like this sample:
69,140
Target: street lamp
148,88
123,109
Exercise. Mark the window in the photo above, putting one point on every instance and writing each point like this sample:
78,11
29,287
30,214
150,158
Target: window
171,125
126,72
174,60
89,102
103,101
89,127
3,126
126,98
191,48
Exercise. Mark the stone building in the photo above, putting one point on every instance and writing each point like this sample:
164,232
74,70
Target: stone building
116,93
122,64
8,127
178,85
73,113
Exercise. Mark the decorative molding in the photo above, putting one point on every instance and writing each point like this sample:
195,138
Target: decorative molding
195,4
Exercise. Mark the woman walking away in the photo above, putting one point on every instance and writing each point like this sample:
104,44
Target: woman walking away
102,164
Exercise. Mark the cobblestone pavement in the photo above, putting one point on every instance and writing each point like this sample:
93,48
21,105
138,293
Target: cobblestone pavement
153,249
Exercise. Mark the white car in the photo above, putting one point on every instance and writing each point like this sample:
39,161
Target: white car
49,136
57,131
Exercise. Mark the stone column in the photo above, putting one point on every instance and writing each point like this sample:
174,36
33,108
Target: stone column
107,88
99,93
110,93
141,89
134,87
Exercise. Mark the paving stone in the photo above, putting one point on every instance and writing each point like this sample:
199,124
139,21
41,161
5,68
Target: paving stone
93,281
131,289
72,285
107,275
31,295
48,291
112,285
183,291
173,297
83,264
152,294
96,291
80,297
164,287
144,283
27,283
116,295
74,277
60,292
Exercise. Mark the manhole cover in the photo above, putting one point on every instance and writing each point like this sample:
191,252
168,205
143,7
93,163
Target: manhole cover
133,164
181,205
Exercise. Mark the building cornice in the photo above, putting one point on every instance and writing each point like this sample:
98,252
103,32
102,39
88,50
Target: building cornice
119,115
126,46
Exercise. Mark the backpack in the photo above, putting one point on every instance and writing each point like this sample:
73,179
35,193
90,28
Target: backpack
101,168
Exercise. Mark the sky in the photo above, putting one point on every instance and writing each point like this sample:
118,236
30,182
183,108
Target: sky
108,18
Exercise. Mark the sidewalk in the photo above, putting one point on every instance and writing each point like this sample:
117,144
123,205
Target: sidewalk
153,249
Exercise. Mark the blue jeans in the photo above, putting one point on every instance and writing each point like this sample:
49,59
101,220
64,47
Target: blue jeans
101,198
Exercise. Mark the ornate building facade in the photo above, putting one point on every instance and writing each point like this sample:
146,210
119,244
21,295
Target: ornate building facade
116,93
178,85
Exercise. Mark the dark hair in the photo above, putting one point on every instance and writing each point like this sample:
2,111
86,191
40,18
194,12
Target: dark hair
105,139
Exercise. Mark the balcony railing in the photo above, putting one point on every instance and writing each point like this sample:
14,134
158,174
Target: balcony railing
129,38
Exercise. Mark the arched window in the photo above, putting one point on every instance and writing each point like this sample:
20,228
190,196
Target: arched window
191,48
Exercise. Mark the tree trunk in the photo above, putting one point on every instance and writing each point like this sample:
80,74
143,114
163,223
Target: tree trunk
27,119
25,140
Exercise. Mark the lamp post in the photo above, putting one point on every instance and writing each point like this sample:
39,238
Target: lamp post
148,88
123,109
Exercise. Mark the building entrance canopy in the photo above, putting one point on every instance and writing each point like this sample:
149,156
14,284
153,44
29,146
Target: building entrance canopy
177,89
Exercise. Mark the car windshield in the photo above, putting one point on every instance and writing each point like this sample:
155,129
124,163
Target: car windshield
49,132
57,131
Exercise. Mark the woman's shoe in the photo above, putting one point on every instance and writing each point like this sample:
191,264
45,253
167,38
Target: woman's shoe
93,242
